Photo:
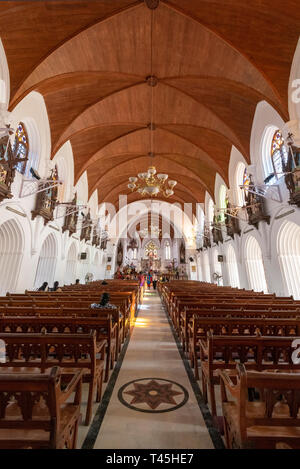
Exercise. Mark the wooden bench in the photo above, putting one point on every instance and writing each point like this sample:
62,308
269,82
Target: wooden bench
256,353
41,352
36,413
237,326
253,311
72,311
263,424
104,328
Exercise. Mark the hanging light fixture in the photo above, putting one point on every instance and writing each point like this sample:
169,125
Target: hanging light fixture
153,231
150,184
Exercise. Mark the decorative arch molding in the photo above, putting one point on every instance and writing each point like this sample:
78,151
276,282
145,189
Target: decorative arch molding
232,267
254,265
65,164
236,160
265,116
71,264
206,267
82,189
32,112
288,249
11,255
46,267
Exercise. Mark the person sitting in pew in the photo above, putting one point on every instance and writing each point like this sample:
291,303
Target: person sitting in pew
56,287
44,287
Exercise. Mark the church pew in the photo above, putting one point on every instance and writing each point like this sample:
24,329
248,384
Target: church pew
237,326
74,311
255,352
229,311
104,328
261,424
25,422
41,352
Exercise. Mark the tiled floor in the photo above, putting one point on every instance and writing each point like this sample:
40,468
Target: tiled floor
141,416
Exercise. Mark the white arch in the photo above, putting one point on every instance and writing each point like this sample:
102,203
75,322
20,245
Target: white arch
232,267
206,267
47,262
70,275
254,265
200,276
264,117
11,254
65,164
288,249
32,112
238,181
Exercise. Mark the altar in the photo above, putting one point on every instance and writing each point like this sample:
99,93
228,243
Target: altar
150,264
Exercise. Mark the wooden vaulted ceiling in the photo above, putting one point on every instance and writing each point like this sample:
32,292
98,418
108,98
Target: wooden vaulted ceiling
90,59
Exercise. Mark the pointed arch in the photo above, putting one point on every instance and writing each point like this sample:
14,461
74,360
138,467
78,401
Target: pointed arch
47,262
255,265
11,254
288,249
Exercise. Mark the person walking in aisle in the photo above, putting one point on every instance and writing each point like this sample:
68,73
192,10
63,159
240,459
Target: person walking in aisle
149,280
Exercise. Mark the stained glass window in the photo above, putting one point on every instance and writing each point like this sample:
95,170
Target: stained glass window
279,154
21,147
246,179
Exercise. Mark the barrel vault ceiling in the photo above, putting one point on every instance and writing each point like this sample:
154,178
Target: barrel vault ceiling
91,59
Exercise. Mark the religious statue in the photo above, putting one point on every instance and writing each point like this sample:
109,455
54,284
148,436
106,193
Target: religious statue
86,229
46,198
255,205
292,172
120,254
70,222
182,252
9,160
217,230
231,220
206,237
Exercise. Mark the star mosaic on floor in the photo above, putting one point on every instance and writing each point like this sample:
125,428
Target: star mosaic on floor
153,395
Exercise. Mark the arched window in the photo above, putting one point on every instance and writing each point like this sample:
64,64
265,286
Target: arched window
167,250
21,147
274,155
279,153
232,268
135,253
11,253
288,248
255,266
47,262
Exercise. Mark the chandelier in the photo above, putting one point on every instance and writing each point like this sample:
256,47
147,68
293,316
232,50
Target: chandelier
151,184
153,231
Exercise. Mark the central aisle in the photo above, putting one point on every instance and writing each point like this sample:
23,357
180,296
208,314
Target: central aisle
153,404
